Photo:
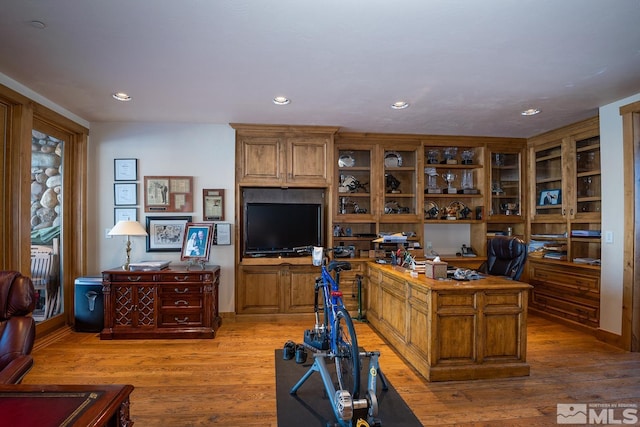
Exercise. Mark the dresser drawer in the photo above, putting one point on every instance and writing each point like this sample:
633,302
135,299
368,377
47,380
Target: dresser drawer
570,309
184,277
190,300
570,281
175,318
131,278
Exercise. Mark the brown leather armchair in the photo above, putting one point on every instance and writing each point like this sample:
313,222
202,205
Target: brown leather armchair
17,328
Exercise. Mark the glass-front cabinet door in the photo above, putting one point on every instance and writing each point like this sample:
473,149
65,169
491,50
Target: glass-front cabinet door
354,184
400,182
588,192
354,223
506,184
549,197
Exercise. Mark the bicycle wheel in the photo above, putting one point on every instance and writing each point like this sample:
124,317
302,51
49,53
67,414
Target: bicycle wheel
347,358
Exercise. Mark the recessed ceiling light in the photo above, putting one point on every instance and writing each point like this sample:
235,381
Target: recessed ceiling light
121,96
281,100
399,105
530,112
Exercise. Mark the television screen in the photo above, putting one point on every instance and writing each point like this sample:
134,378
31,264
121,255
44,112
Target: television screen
277,228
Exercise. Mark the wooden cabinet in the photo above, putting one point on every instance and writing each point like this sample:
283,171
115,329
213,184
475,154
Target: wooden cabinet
570,292
566,192
283,155
275,288
565,224
377,189
160,304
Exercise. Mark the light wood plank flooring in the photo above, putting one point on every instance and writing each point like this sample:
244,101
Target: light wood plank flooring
230,380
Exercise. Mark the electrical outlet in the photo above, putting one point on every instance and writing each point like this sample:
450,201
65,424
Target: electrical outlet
106,233
429,245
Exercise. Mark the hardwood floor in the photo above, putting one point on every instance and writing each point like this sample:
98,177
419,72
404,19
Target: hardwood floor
230,380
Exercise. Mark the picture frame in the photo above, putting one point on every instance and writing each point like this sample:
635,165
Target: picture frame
550,197
125,194
125,214
125,169
168,194
213,204
196,244
165,233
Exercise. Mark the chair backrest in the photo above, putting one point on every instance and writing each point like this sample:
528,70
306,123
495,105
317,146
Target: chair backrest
17,295
506,256
43,264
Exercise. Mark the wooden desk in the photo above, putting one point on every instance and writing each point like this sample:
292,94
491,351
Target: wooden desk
65,405
450,330
170,303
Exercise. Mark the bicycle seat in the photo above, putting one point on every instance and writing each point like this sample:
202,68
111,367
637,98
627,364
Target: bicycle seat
339,265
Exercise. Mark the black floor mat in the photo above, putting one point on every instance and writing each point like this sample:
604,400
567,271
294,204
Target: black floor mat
310,406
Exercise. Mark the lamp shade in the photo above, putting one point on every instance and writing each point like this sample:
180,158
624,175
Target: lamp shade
128,228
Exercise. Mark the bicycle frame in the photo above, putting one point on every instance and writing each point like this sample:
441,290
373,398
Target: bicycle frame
332,297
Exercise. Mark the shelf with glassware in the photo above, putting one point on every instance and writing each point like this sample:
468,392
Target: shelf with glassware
453,178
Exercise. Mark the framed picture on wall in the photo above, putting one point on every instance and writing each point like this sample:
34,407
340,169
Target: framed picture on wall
125,214
168,194
213,204
125,194
165,233
125,169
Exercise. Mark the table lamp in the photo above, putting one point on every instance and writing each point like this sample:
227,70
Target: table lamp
128,228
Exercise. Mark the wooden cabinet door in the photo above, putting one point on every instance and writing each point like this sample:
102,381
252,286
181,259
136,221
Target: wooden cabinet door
300,289
308,160
258,290
260,160
134,306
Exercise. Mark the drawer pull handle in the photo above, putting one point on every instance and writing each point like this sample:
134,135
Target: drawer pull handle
181,279
181,301
183,320
178,291
134,278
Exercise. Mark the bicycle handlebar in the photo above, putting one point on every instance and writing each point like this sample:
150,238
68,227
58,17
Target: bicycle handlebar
309,249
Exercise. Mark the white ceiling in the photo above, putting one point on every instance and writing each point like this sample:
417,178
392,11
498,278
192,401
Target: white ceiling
467,67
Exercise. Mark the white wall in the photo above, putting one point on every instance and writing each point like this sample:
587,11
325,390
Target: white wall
611,154
204,151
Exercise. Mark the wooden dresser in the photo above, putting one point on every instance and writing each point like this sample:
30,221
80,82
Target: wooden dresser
171,303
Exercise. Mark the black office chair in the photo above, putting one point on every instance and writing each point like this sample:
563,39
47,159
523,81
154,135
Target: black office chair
505,257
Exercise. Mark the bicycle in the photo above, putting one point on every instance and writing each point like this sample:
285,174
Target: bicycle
334,337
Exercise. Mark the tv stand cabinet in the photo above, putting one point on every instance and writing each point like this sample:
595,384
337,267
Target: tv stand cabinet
160,304
275,285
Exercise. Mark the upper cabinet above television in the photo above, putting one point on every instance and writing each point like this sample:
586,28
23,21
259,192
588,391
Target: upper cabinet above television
285,156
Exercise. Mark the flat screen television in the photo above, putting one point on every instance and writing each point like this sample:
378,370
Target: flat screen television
278,228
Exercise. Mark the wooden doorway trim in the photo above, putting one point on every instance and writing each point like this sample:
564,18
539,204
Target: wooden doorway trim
631,276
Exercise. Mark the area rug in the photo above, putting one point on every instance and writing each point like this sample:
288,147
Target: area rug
310,406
